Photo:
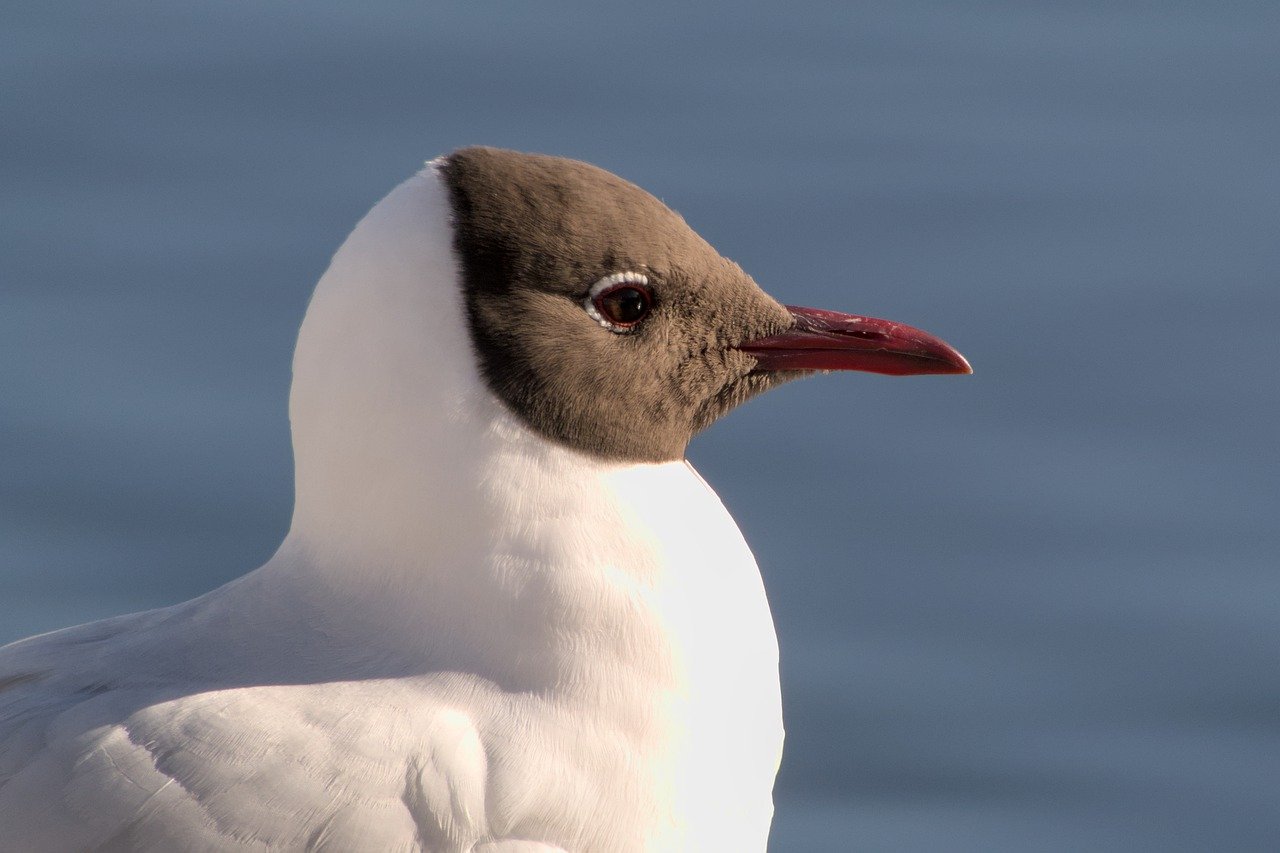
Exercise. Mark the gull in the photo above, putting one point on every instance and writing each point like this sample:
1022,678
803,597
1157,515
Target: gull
508,616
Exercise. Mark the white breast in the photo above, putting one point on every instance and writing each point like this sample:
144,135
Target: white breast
470,636
600,698
718,618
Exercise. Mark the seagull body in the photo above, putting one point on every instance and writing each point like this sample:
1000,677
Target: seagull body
508,615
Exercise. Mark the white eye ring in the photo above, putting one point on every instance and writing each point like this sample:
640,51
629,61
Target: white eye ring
610,281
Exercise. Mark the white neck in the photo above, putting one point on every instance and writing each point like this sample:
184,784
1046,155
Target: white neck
430,511
387,407
434,533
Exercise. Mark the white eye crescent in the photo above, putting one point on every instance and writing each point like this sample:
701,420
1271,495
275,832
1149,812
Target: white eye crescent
619,301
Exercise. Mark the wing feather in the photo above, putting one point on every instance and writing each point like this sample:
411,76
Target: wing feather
332,766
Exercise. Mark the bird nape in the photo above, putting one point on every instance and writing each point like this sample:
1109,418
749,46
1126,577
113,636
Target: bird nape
508,615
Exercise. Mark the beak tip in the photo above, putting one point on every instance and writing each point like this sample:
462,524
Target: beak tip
828,340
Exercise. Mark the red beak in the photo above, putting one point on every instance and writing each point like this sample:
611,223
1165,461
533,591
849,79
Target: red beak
829,340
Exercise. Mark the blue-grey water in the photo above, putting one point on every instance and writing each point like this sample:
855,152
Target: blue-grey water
1033,609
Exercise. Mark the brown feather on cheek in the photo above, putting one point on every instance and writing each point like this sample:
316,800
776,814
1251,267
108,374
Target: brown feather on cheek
533,234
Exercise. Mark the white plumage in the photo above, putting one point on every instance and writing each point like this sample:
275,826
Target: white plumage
471,639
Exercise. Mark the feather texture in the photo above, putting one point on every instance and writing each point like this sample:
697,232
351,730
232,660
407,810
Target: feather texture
472,639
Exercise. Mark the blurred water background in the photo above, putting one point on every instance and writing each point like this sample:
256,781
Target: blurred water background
1034,609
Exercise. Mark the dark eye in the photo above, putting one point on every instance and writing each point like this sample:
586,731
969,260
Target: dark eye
620,301
624,305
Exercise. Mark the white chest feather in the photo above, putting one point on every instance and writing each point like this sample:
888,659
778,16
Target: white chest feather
666,646
471,639
619,656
